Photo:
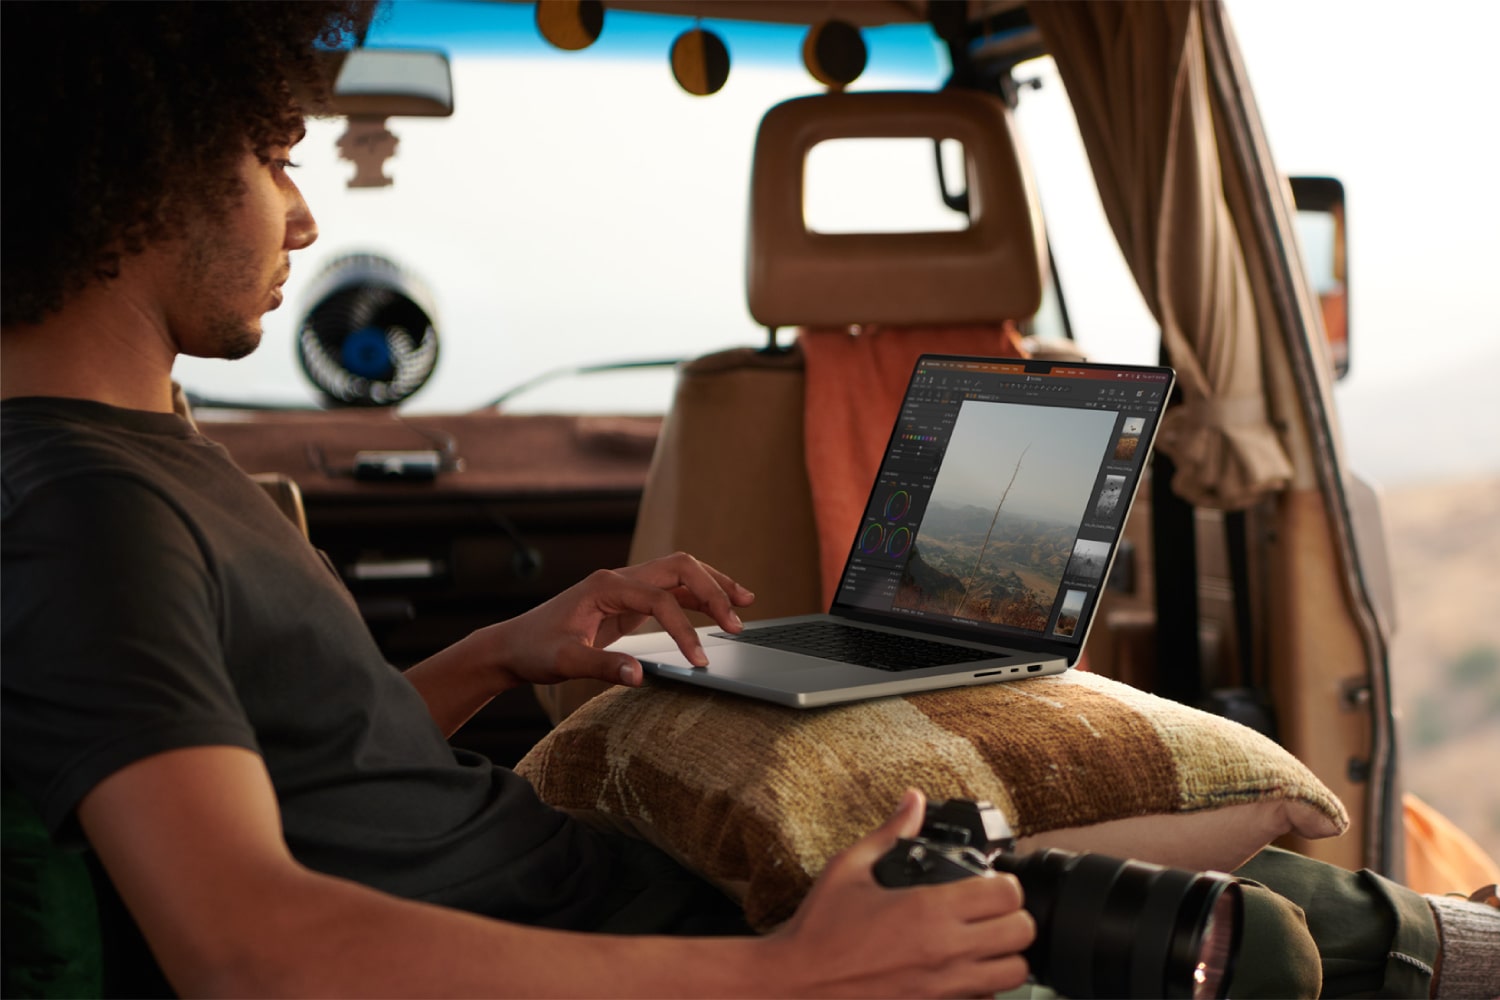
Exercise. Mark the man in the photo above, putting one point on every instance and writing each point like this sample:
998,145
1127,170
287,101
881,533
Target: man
190,691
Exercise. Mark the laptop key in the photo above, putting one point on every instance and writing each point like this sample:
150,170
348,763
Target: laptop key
861,647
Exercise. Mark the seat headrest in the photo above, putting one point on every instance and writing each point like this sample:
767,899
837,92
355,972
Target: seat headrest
988,272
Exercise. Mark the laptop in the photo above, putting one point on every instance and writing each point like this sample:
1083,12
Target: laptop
984,547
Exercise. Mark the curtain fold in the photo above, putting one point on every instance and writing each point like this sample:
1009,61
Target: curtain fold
1137,77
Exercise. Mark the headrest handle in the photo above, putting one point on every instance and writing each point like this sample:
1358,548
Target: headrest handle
989,272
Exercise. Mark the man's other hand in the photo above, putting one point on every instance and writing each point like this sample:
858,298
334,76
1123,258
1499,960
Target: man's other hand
854,937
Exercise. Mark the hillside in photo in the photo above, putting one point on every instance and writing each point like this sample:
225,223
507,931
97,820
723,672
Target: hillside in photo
1015,581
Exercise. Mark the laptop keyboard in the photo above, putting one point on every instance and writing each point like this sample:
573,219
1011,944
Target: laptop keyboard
861,647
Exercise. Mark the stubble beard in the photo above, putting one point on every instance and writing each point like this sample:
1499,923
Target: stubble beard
233,340
218,280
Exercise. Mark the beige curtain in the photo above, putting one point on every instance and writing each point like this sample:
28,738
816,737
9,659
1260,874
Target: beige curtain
1137,78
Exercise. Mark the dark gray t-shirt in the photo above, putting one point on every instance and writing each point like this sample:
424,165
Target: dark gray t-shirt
155,598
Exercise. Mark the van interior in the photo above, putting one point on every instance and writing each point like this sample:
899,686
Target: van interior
1251,579
464,441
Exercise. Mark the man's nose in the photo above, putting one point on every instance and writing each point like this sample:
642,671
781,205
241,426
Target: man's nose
301,227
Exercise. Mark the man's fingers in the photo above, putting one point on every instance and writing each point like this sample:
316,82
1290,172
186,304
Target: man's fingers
905,821
629,594
577,661
986,978
739,594
1007,934
986,957
697,586
978,899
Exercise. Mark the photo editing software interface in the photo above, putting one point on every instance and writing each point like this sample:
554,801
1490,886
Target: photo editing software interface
1003,494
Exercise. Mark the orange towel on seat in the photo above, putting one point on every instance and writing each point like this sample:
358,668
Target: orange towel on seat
854,385
1441,858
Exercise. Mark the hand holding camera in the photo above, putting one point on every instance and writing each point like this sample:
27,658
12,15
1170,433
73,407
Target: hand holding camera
1105,927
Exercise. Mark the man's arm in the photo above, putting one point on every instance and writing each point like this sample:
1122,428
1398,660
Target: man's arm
192,840
564,638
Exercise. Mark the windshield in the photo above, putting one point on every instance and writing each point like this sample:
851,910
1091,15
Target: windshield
577,209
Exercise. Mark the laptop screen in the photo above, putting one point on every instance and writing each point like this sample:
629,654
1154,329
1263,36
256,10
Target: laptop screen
1002,497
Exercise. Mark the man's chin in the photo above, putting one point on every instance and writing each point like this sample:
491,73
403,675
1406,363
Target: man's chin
234,352
227,343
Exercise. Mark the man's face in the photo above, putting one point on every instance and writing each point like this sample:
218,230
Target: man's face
231,268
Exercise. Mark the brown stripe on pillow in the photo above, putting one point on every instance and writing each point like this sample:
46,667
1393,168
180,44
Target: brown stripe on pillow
1225,765
1062,760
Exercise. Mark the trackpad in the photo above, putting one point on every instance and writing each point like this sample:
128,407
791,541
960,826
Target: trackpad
731,659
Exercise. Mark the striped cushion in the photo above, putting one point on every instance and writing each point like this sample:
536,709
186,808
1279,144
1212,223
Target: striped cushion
758,797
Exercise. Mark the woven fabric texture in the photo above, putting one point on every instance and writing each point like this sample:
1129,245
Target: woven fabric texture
757,797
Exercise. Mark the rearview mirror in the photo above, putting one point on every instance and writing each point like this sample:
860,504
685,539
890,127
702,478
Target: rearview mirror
380,83
1322,231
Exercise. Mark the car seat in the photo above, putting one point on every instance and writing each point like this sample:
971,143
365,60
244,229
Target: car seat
766,455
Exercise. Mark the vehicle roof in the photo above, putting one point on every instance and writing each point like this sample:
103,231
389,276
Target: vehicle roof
862,13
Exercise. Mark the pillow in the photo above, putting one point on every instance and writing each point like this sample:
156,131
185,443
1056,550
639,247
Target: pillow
757,797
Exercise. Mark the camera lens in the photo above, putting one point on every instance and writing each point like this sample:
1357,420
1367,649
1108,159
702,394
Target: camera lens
1113,928
1217,944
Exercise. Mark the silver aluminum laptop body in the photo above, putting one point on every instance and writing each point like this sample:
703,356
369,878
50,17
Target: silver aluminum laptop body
991,527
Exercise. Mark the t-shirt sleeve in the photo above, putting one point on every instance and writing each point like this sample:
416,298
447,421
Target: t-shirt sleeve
112,647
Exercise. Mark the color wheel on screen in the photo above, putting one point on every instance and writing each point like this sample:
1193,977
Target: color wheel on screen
899,542
896,505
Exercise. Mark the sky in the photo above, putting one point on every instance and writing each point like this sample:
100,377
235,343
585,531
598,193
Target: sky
1049,457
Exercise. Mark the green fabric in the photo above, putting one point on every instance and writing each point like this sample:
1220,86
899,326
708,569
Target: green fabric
1312,929
48,918
1374,938
1413,949
1277,956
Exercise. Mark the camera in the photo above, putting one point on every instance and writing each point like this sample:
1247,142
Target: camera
1105,927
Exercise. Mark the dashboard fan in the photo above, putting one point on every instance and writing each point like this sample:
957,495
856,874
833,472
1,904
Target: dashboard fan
369,338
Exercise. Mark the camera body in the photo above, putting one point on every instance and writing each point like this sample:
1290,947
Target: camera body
959,839
1105,927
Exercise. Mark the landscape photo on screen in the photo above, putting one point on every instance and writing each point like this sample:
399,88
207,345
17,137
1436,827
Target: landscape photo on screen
998,531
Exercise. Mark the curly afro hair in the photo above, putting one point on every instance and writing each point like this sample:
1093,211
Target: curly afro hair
120,119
